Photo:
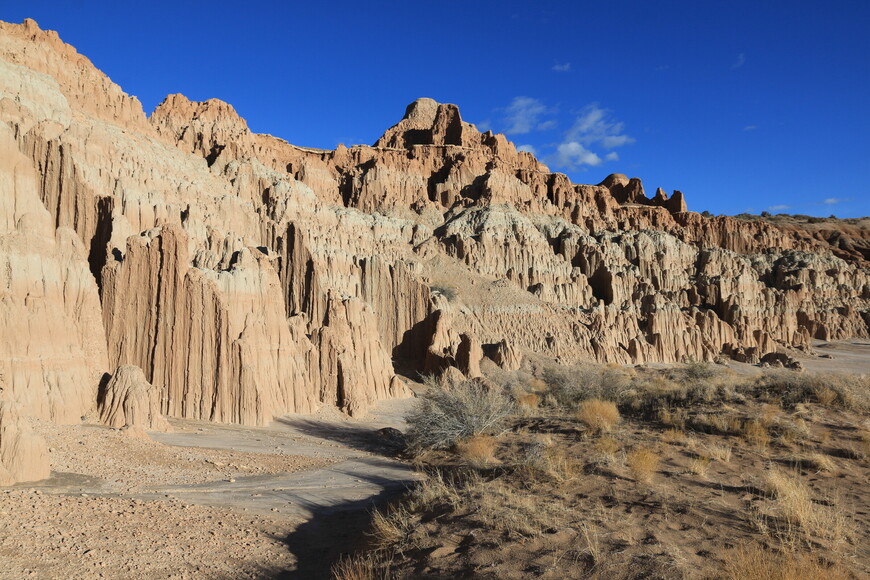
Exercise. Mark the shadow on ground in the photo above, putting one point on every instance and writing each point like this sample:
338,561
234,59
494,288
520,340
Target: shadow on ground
331,533
359,437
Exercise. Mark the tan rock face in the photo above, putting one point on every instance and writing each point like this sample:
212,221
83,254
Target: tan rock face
23,453
248,277
129,400
52,348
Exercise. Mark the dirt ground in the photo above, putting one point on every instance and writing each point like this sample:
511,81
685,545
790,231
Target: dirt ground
204,501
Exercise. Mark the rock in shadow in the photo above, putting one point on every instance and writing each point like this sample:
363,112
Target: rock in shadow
385,441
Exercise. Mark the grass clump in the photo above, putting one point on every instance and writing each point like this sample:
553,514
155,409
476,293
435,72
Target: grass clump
643,463
478,451
755,563
456,410
368,566
598,416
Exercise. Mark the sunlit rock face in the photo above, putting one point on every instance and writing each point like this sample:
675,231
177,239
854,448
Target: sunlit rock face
247,277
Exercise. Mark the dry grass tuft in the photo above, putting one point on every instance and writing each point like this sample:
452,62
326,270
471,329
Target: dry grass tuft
756,433
643,463
478,451
800,514
673,417
820,462
825,395
393,528
528,401
718,452
755,563
541,457
368,566
599,416
674,436
700,465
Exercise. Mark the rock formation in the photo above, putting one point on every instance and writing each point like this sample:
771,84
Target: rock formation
248,277
23,453
131,401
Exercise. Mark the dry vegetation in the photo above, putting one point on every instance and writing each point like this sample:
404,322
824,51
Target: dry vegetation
610,472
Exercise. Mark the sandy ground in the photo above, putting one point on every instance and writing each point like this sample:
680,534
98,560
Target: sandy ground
204,501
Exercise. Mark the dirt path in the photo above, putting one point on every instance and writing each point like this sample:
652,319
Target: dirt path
205,501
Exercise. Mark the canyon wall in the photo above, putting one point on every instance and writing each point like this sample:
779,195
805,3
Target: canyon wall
248,277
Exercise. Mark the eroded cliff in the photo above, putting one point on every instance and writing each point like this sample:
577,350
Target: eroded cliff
248,277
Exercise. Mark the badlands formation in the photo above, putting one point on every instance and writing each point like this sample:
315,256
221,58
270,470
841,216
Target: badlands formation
179,265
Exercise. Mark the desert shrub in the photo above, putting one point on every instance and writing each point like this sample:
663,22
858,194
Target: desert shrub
571,385
457,410
791,389
699,371
599,416
674,389
643,463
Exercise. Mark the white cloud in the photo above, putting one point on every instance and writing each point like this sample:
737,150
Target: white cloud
612,156
547,125
778,207
750,127
741,60
529,148
572,155
833,200
523,115
593,126
484,126
562,67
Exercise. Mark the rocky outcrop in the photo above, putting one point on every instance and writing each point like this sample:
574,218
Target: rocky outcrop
129,400
504,355
23,453
248,277
468,356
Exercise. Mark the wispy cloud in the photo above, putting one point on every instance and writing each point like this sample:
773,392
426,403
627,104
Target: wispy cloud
484,126
562,67
780,207
524,116
833,200
529,148
594,126
741,60
750,127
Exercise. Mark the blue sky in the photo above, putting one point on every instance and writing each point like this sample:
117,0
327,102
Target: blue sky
742,105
